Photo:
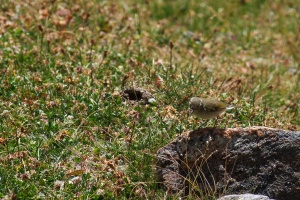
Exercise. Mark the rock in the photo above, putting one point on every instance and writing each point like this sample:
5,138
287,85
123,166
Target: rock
216,162
244,197
138,94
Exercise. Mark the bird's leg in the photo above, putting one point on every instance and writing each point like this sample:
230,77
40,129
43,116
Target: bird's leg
216,120
214,128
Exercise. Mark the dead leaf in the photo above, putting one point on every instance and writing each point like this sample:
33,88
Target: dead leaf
75,173
2,140
158,81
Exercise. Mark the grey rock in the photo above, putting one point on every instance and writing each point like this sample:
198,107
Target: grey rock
244,197
138,94
218,162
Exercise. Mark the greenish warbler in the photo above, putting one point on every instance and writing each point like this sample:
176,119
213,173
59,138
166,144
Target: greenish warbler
207,108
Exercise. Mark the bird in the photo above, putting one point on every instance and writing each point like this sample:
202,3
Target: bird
208,108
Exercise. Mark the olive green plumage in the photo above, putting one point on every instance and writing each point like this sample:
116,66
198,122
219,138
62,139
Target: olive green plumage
207,108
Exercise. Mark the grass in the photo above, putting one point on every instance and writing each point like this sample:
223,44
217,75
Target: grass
65,131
